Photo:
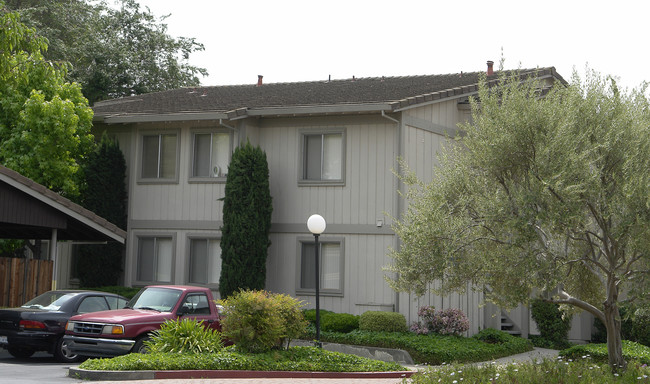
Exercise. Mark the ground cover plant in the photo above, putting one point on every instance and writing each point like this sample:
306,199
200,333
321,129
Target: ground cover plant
544,371
436,349
293,359
631,352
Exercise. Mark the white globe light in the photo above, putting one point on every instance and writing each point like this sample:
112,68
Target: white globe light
316,224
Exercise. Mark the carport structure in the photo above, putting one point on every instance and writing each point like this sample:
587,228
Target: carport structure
30,211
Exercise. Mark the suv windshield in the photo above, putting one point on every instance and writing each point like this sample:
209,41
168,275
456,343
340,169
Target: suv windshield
159,299
51,301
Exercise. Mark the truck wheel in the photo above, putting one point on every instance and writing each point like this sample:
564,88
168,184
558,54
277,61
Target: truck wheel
62,354
20,353
139,346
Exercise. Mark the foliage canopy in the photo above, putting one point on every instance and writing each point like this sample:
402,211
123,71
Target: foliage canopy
115,48
247,209
548,191
44,121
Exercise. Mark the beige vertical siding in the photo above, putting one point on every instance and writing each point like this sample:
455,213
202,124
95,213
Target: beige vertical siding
369,183
364,287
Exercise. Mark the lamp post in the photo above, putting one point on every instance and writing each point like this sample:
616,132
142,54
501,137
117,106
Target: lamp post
316,225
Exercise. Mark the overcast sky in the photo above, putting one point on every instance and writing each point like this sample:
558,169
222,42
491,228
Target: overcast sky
304,40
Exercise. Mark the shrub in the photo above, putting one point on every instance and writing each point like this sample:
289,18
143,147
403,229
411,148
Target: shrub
184,336
289,309
492,336
256,321
333,322
451,321
127,292
627,324
641,326
382,321
553,324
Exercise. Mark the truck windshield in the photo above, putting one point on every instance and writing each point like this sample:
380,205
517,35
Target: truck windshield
158,299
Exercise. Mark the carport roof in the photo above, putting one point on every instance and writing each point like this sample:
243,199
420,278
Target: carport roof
29,210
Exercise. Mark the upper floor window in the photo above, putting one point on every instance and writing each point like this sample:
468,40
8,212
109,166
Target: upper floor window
211,154
159,156
205,261
323,157
155,257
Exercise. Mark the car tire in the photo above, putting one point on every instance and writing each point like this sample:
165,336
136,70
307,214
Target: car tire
139,346
62,354
20,353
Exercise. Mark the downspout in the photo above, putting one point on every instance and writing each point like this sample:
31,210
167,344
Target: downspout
226,125
398,205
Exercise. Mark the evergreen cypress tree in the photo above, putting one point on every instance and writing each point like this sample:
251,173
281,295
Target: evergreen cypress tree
105,194
247,212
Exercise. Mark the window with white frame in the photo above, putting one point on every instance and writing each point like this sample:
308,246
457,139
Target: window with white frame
210,154
155,257
205,261
159,156
330,256
323,156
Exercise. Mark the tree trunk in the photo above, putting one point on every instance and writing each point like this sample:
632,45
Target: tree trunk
614,344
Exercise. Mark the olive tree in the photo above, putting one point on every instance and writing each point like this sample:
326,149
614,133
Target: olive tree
547,192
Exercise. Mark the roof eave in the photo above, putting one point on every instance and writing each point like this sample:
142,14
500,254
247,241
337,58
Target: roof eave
157,117
326,109
66,206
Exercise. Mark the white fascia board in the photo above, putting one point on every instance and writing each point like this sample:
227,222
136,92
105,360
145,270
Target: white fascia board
319,109
147,118
441,100
62,207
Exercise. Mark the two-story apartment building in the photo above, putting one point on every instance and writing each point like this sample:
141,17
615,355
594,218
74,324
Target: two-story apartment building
332,147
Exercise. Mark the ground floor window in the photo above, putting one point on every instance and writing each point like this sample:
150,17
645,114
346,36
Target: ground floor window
155,256
330,267
205,261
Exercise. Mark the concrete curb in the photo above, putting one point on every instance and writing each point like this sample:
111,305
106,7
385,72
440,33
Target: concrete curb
84,374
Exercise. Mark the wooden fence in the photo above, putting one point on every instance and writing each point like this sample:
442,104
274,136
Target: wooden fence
23,279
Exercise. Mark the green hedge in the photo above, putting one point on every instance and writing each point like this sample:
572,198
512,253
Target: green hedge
127,292
378,321
436,349
295,359
333,322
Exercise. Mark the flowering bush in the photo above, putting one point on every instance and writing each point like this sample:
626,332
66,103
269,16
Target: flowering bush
451,321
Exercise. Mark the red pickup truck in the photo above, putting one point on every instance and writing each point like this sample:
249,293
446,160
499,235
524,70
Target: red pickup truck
118,332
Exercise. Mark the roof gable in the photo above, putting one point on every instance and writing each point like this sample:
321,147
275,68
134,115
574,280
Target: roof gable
29,210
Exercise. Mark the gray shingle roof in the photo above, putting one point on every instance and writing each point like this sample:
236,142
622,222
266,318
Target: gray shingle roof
87,226
395,91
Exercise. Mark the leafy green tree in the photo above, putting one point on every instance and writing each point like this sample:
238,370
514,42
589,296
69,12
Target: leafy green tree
44,121
104,194
247,212
543,194
113,51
